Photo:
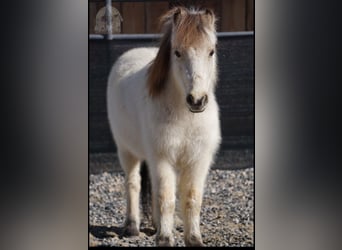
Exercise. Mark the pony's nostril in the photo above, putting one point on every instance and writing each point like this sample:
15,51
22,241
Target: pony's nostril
190,99
197,103
203,100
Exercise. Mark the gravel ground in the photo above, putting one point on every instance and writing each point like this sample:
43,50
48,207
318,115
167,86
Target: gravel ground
227,216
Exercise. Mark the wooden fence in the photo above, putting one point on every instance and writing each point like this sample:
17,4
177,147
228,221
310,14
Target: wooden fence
142,16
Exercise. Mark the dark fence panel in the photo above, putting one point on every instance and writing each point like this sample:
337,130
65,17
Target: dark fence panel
235,91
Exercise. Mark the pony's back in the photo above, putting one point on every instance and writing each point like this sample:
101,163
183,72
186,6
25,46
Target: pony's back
130,63
125,96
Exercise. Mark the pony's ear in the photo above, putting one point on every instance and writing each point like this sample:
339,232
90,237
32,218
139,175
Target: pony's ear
172,16
210,18
178,12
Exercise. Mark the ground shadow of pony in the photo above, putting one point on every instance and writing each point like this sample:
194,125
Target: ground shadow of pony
102,232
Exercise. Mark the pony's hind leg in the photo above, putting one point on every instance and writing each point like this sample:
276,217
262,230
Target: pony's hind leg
131,166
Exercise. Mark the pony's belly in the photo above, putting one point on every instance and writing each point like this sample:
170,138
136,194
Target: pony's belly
127,132
125,128
130,140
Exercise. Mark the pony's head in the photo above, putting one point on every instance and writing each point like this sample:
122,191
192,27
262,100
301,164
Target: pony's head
188,53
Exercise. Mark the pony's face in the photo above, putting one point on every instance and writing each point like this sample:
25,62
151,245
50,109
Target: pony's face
194,69
193,57
187,51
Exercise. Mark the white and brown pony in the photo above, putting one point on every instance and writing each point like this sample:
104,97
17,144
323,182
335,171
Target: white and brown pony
162,110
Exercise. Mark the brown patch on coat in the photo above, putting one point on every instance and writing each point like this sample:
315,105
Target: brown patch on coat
189,29
166,201
193,200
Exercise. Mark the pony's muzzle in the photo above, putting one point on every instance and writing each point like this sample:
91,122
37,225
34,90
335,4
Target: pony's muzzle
196,105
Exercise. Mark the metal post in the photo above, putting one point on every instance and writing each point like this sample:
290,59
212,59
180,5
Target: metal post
109,19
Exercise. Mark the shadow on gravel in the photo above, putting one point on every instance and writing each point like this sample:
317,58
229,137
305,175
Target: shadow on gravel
148,231
102,232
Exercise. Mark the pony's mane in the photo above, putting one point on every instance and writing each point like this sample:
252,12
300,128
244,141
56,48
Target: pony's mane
190,26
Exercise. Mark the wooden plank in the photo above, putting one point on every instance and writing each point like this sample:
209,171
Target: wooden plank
233,15
99,6
176,3
215,5
92,17
250,15
190,3
153,11
117,5
133,15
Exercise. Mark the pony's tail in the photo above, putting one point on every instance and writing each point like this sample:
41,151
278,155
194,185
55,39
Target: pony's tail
145,190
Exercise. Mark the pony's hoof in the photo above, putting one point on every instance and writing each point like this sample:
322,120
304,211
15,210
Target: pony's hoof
164,241
131,229
194,242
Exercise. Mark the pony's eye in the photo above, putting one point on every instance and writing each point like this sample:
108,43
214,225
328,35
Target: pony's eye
177,53
211,53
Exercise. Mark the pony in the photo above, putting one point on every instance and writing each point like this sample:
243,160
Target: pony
162,110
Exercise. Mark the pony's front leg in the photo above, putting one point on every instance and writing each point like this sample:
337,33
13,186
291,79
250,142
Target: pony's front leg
164,188
191,188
